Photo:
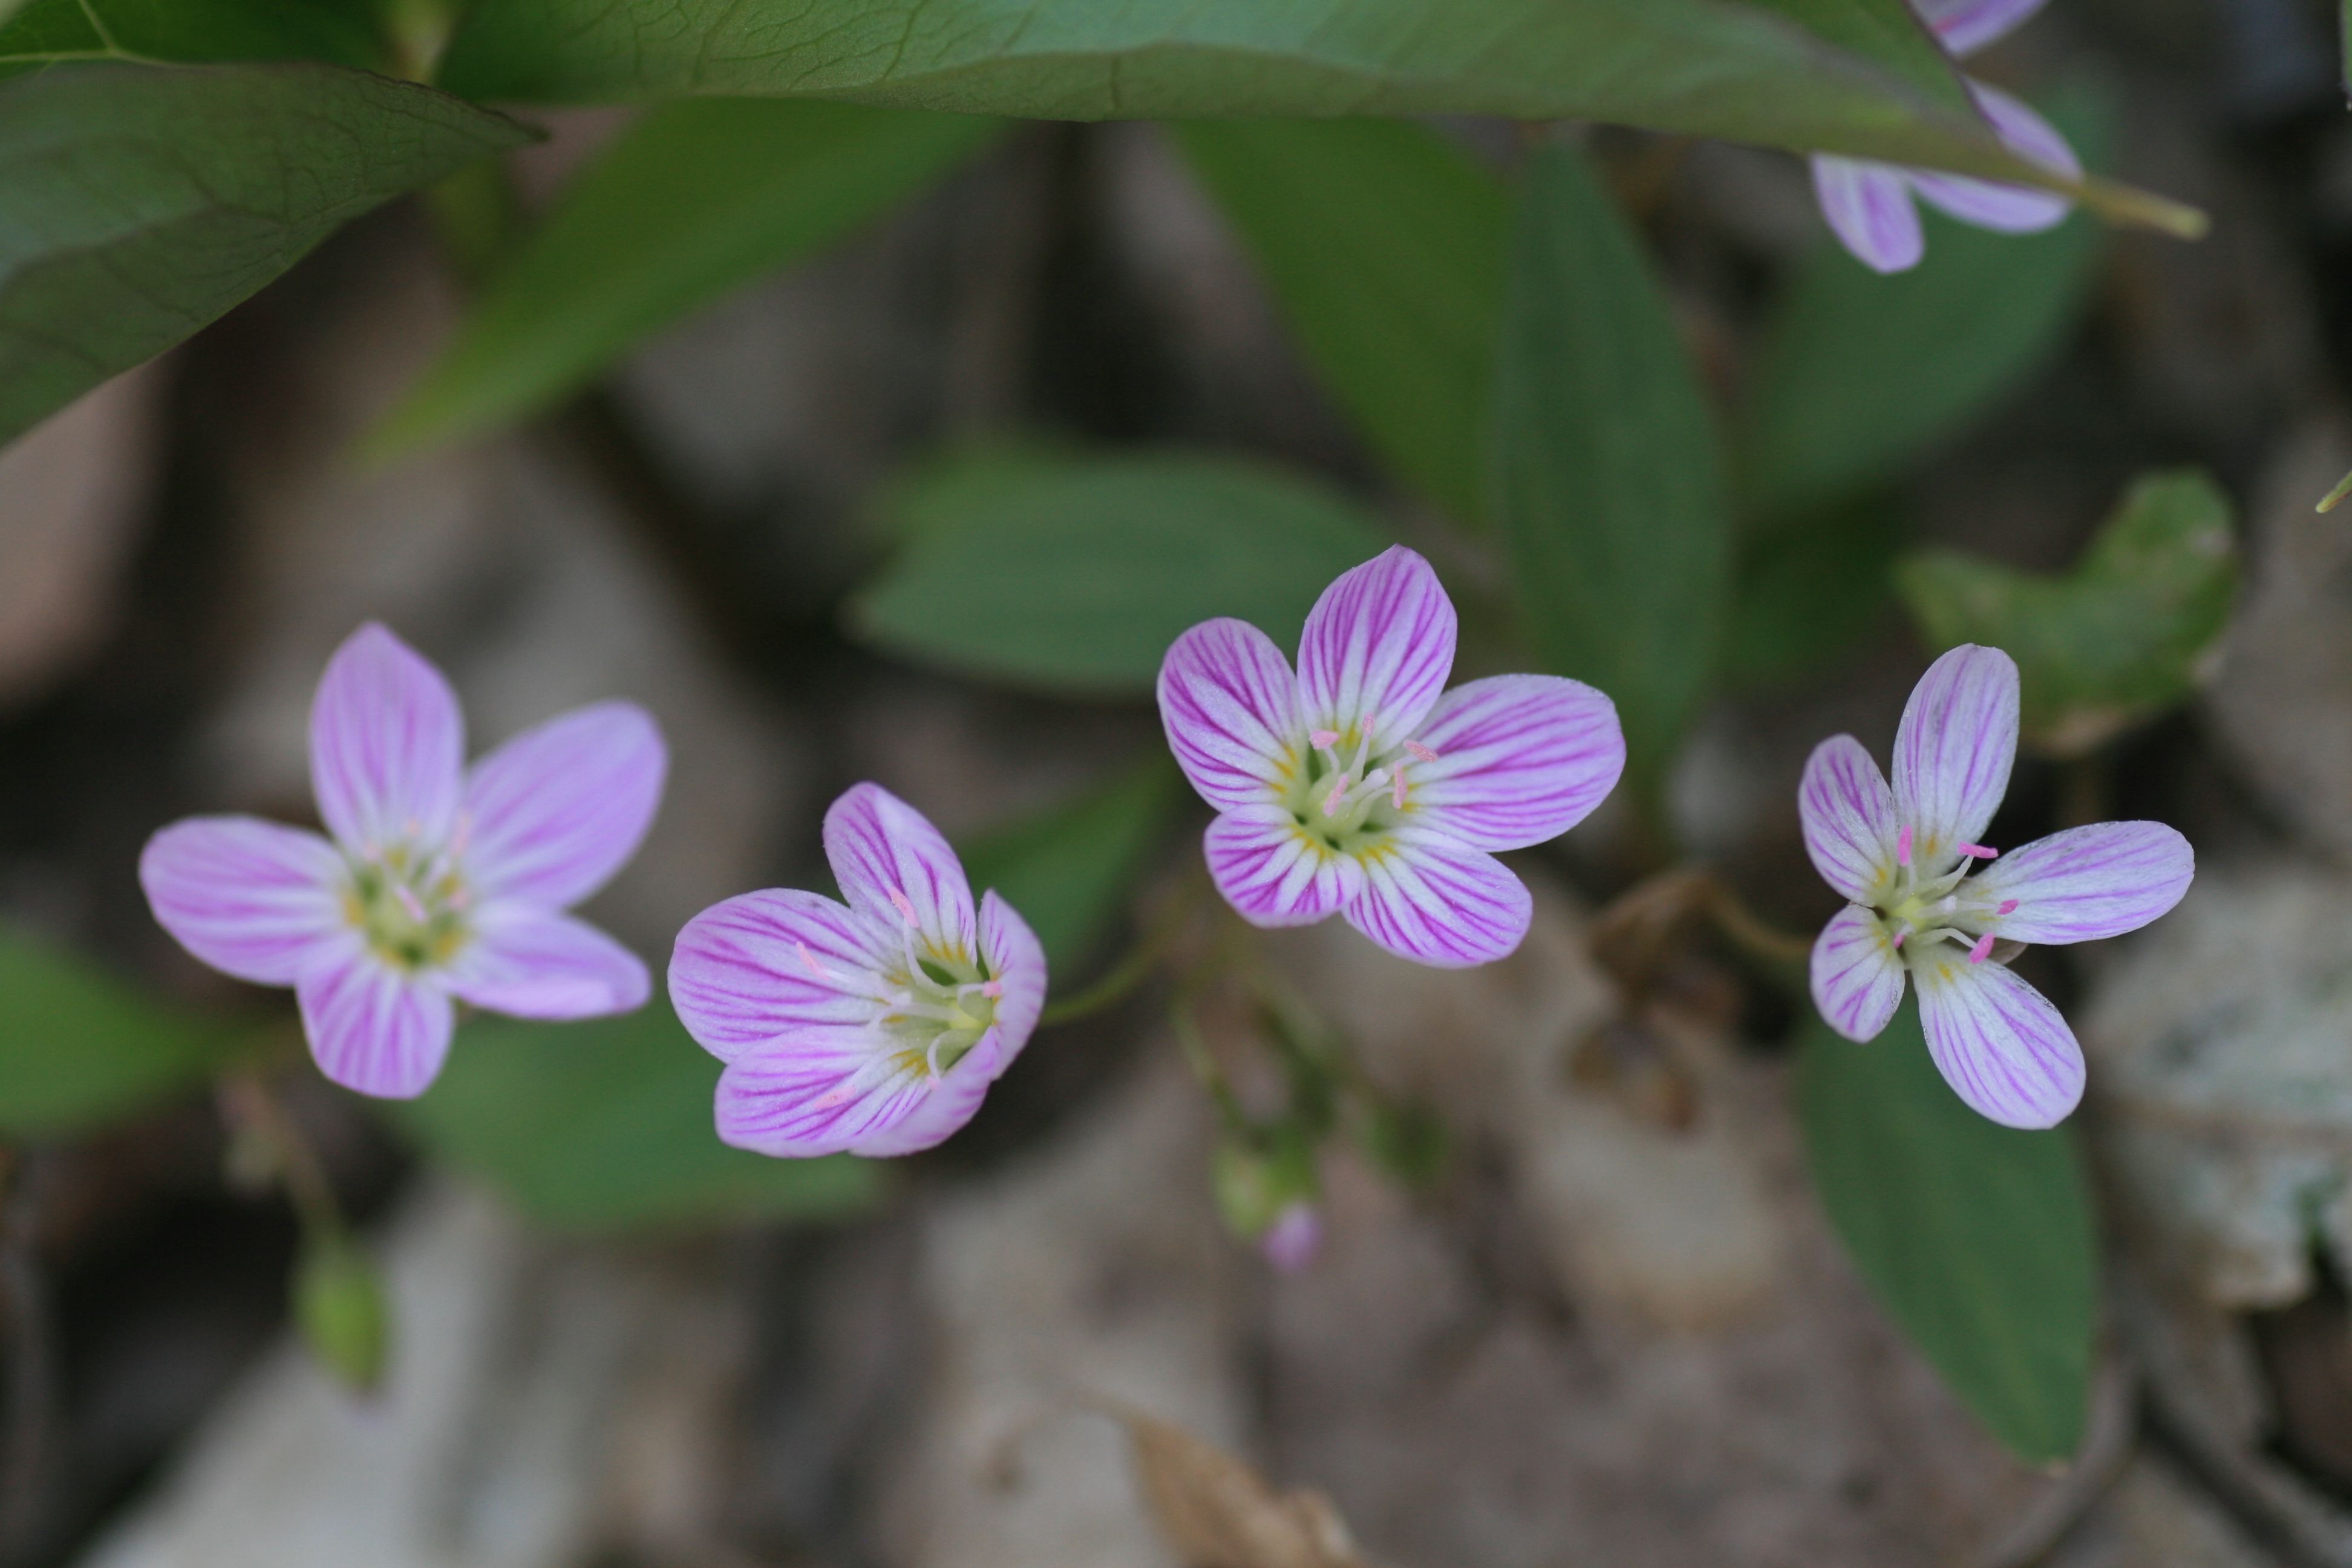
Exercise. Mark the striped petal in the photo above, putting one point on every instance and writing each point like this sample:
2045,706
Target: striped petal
1274,873
1963,26
811,1097
371,1029
554,813
1857,977
1519,758
387,744
777,967
1439,902
1868,206
1230,706
532,962
893,866
1999,1042
1990,203
1377,649
2085,884
250,898
1953,752
1848,812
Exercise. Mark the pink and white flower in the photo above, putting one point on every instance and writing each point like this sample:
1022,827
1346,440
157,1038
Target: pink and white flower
870,1027
439,882
1903,855
1869,205
1359,786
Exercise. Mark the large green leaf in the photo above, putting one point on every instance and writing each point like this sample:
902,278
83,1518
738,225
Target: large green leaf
1075,577
1384,245
142,201
1976,1238
1608,484
1806,592
189,31
693,201
83,1047
1068,870
2134,629
607,1125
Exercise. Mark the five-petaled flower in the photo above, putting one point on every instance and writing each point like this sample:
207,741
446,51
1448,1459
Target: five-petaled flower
1359,786
1869,205
1904,857
440,881
873,1027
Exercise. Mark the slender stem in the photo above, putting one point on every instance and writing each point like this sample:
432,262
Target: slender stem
1136,967
249,1100
1752,934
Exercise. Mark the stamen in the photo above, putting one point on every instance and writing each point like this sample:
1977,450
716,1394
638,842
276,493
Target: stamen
409,901
1903,845
2008,907
1897,943
1324,740
1338,793
992,989
906,908
1396,794
1984,946
1978,852
1418,749
809,960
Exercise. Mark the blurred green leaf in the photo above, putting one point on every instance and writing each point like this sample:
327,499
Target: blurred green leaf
1976,1238
1384,245
1610,484
1069,870
189,31
84,1048
1076,578
142,201
340,1308
692,202
1861,375
607,1125
1806,592
2134,629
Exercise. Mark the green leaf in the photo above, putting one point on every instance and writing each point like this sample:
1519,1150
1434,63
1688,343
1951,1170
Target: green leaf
694,201
85,1048
1610,488
607,1125
2134,629
143,202
1384,245
1076,577
1069,870
1976,1238
1861,375
1807,592
189,31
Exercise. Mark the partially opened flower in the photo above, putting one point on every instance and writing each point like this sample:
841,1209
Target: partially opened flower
439,882
871,1027
1869,205
1903,855
1359,786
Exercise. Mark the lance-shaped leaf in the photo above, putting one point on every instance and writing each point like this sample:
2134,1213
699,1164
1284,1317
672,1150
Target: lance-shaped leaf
693,201
142,201
189,31
1609,485
84,1048
2134,629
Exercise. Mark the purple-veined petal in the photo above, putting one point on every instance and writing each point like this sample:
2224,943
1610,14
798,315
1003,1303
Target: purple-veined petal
1230,706
552,814
2084,884
387,744
1520,758
1377,649
1849,819
951,1101
1990,203
1953,752
884,851
1857,978
250,898
778,967
1016,959
805,1097
371,1029
1868,206
1274,873
1440,902
1963,26
536,963
1998,1041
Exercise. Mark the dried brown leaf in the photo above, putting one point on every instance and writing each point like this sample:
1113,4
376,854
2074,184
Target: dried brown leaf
1218,1512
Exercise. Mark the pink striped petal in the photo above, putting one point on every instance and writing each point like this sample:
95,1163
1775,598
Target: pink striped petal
1017,959
1869,209
1857,978
2085,883
1520,758
1274,873
371,1029
1231,709
1963,26
387,743
1377,649
895,867
776,967
810,1098
1849,819
554,813
1440,902
1953,752
1999,1042
1989,204
535,963
946,1105
250,898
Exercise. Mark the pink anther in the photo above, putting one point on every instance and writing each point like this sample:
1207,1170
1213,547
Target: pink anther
1897,943
1396,791
409,901
992,989
1418,749
1331,802
1978,852
1903,845
905,906
2008,907
1324,740
808,960
1982,950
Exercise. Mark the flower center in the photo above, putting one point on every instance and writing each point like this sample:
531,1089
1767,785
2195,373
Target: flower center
939,1002
410,906
1345,799
1920,911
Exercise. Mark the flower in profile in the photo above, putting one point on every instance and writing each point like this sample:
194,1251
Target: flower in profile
1359,786
440,881
870,1027
1904,856
1869,205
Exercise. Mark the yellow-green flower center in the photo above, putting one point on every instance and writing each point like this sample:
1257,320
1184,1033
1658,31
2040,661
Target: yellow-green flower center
412,908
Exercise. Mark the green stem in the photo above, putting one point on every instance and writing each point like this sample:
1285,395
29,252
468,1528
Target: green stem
1132,970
